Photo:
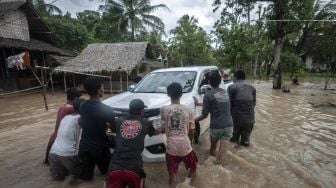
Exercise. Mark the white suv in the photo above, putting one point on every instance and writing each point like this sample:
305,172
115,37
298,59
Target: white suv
152,90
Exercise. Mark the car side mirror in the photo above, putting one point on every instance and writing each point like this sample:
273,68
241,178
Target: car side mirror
131,88
204,89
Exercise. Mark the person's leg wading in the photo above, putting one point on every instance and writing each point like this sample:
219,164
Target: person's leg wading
246,133
190,161
57,170
72,164
197,132
102,159
172,166
87,165
227,134
213,145
237,131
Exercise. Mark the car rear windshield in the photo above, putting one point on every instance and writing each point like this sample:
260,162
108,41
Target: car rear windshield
157,82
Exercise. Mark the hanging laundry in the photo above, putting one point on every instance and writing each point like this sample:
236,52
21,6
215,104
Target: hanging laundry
16,61
26,60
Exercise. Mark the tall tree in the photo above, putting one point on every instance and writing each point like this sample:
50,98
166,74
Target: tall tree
316,10
137,13
189,43
322,46
69,33
89,18
280,11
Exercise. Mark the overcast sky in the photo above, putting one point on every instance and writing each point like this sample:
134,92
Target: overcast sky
201,9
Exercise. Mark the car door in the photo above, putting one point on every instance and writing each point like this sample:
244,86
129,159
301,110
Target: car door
205,124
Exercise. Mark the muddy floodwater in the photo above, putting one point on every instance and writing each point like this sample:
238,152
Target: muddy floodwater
294,144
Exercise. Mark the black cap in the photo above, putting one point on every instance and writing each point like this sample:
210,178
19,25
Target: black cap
136,106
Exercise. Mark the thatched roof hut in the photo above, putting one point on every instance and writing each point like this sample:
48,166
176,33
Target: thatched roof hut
21,27
110,57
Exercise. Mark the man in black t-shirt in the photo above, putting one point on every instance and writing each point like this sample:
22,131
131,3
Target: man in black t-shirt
126,166
93,146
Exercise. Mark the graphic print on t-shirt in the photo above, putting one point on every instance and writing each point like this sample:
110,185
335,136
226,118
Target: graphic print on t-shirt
221,96
130,129
175,119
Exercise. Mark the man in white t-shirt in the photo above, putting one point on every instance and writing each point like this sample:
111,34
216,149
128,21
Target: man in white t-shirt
63,154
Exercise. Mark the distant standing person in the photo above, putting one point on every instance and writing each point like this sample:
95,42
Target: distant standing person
178,124
295,81
217,103
93,146
64,110
63,155
126,165
243,101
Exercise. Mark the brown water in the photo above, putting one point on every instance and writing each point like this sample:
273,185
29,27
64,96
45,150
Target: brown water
294,144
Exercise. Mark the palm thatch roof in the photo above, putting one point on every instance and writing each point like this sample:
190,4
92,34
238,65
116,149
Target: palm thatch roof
21,27
109,57
10,5
32,45
15,8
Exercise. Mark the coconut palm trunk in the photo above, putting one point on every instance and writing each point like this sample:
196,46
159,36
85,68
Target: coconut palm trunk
280,8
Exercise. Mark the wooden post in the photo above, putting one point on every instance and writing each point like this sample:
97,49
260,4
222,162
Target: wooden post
120,81
44,70
111,85
65,86
127,79
52,83
42,76
43,90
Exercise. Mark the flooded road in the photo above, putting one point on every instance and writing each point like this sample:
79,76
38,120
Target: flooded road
293,144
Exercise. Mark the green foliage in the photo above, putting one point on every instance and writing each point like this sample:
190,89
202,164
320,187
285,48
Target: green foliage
111,28
291,63
69,33
190,44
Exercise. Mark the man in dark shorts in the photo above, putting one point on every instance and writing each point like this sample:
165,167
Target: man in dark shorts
66,109
243,101
126,165
217,103
178,124
93,146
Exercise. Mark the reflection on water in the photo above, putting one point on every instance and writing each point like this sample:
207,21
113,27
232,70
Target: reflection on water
294,144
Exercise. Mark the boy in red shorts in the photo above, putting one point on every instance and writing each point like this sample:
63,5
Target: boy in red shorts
178,124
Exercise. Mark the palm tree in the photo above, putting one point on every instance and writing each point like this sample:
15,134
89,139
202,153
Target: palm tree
46,8
137,13
321,10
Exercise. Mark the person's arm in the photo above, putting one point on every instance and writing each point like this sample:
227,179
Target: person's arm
163,121
150,128
254,96
79,133
196,102
231,93
191,126
110,118
205,109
